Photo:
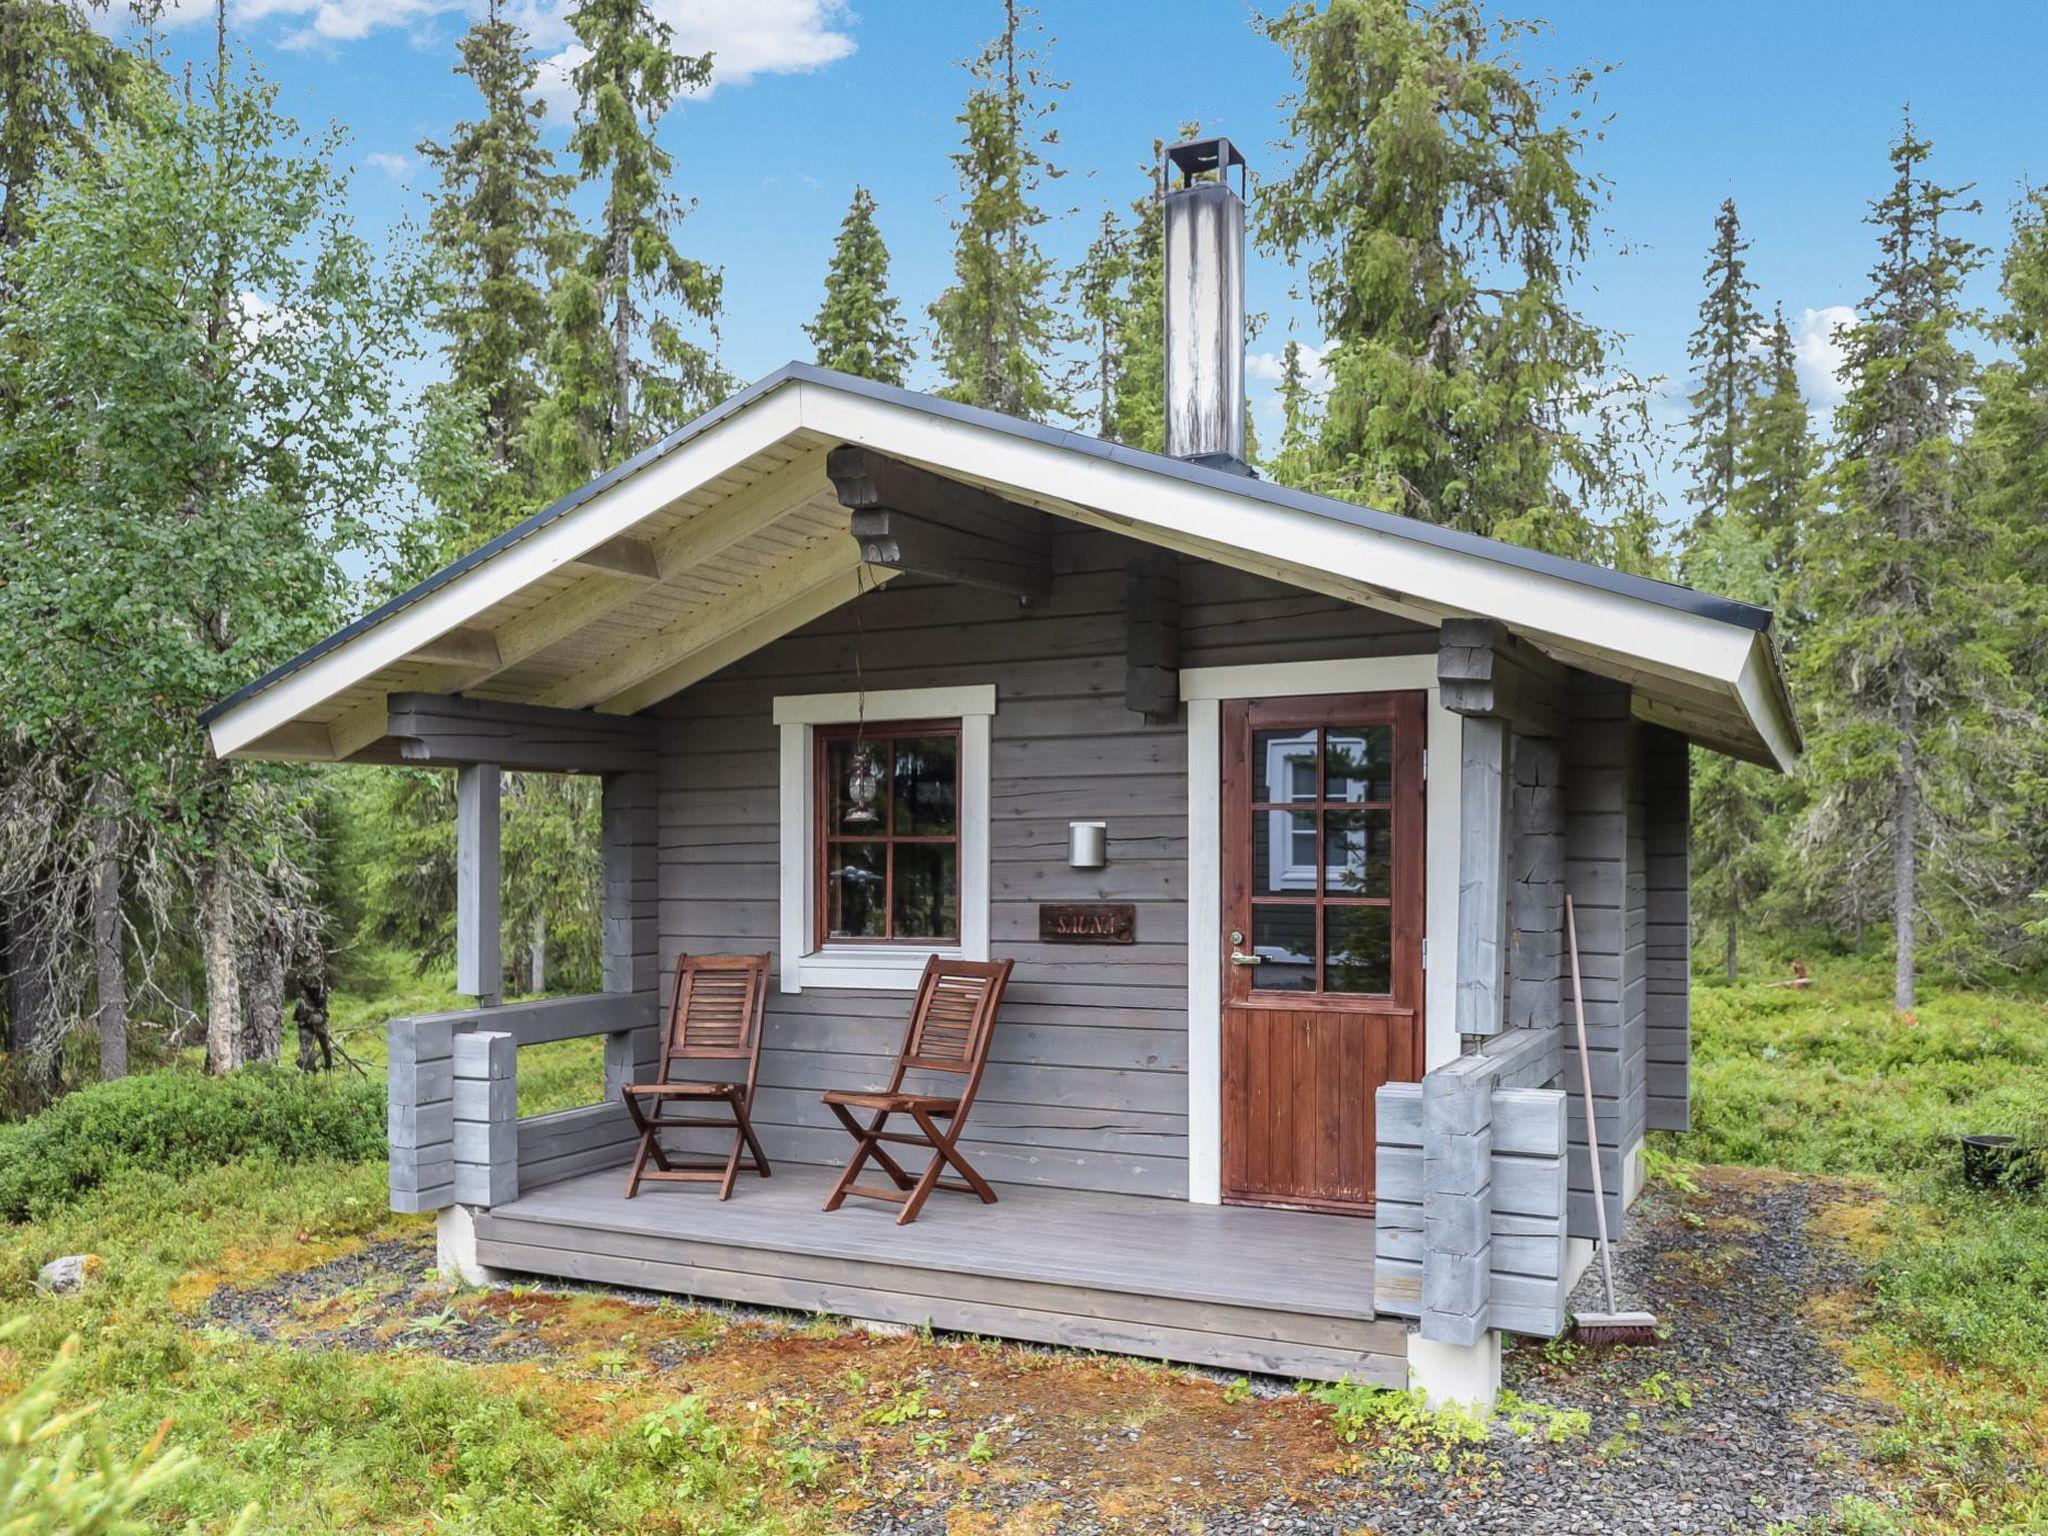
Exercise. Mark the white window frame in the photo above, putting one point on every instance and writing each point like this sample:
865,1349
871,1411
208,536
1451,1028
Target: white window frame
871,967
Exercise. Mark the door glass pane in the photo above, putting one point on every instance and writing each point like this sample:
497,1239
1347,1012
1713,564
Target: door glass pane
927,891
1284,939
855,881
1284,765
1283,853
926,786
854,775
1358,763
1360,943
1358,851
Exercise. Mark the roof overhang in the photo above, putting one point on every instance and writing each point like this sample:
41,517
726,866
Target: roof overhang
727,535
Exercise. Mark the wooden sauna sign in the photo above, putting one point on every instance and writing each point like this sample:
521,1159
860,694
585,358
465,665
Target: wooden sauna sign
1087,922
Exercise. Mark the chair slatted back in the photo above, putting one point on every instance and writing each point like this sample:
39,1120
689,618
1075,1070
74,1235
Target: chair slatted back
954,1020
715,1011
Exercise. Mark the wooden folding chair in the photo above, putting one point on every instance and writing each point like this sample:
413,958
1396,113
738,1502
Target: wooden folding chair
714,1015
951,1026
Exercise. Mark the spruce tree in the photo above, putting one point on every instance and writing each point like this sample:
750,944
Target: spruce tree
1904,659
1439,206
621,369
1724,368
1291,465
1775,459
858,329
1097,289
996,329
500,232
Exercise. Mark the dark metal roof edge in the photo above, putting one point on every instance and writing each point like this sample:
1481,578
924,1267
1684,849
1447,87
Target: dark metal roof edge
504,541
1643,588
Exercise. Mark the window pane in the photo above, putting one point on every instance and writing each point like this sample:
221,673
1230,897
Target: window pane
853,779
1358,848
927,891
1358,762
1283,853
855,882
1284,765
1360,948
927,786
1284,939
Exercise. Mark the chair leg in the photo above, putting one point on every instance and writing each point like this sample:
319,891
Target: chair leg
745,1114
640,1153
943,1143
926,1183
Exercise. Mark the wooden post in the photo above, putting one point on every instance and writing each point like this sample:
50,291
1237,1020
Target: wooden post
1457,1200
479,970
1536,885
1482,858
486,1118
420,1120
629,835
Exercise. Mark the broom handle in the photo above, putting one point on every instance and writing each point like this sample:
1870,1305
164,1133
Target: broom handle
1571,928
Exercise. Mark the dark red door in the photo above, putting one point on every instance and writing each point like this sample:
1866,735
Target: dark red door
1322,938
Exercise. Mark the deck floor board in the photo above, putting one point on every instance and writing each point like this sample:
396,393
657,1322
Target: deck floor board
1243,1288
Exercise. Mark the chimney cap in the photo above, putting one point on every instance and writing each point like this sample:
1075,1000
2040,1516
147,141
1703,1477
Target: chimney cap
1197,157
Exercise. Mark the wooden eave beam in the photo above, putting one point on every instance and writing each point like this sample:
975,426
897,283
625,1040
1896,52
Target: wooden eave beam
622,556
704,626
434,729
1484,672
467,646
911,520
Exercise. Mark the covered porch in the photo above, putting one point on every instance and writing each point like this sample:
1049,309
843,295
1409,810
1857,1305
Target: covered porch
1239,1288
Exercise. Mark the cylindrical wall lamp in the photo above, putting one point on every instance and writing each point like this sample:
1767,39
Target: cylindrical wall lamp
1087,844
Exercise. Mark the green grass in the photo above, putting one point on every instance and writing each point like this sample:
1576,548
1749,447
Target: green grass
1828,1080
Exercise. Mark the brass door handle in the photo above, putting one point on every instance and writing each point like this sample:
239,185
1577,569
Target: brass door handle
1239,957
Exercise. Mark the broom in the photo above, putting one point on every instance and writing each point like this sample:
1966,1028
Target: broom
1611,1326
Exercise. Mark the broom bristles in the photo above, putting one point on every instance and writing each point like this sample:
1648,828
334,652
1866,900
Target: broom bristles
1616,1328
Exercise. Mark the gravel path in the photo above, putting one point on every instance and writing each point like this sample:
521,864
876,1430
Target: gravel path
1741,1420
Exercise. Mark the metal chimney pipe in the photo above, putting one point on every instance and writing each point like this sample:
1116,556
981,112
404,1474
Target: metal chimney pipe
1205,304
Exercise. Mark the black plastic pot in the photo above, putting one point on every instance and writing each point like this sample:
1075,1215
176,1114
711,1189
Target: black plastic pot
1999,1162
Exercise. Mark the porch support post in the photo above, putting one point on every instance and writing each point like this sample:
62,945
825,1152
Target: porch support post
1482,859
628,838
486,1117
1457,1200
479,971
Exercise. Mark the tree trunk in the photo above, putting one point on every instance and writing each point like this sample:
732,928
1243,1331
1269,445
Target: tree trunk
622,345
106,945
1905,850
306,985
223,978
31,1021
538,954
1733,917
263,1028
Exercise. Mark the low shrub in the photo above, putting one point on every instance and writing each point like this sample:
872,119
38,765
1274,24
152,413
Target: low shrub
178,1122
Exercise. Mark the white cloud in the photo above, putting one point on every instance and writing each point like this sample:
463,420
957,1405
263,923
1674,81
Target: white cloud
1818,352
1267,367
397,166
747,37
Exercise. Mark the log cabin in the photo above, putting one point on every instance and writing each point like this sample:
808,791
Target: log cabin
1274,801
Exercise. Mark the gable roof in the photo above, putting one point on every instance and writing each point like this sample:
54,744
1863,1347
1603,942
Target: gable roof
726,534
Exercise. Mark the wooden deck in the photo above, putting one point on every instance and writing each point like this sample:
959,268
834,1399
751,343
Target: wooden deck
1281,1292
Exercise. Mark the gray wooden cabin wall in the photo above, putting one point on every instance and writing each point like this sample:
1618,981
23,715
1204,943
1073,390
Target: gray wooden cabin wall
1088,1083
1667,793
1606,875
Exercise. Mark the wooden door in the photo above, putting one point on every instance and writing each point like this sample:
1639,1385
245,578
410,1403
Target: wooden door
1321,946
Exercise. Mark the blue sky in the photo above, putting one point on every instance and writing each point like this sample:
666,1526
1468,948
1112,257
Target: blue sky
1787,107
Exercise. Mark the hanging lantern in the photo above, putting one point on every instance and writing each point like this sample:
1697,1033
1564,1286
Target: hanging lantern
863,781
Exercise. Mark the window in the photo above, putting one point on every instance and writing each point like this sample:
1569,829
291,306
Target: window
888,823
884,834
1322,822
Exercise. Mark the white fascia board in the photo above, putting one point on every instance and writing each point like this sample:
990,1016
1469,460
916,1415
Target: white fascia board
1686,646
1764,701
615,510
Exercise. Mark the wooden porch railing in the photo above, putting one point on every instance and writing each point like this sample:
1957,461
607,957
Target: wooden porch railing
455,1131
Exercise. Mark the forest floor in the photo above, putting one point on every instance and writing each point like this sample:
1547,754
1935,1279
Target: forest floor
1861,1352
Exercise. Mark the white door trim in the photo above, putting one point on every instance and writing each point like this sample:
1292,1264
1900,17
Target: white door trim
1204,688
